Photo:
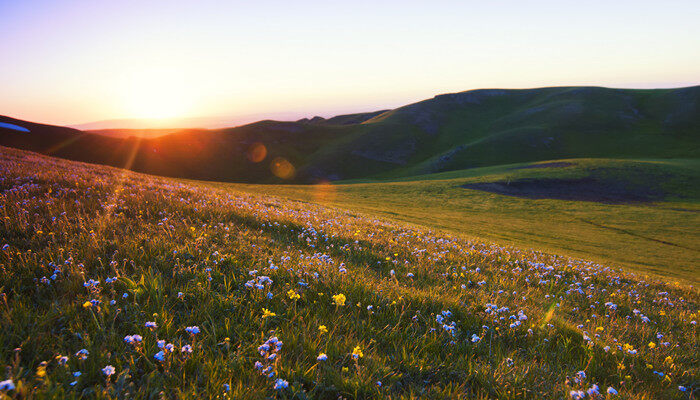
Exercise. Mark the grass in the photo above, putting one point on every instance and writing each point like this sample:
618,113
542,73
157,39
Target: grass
427,314
658,238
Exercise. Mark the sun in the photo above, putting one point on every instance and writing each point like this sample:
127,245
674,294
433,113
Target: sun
156,105
154,95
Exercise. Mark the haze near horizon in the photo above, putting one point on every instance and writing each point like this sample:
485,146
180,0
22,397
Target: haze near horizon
74,62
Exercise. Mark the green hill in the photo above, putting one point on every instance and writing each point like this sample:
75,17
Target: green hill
446,133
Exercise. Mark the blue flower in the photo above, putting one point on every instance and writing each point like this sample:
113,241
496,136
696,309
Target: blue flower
8,384
108,370
281,384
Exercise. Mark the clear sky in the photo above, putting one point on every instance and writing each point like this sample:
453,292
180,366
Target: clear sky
71,62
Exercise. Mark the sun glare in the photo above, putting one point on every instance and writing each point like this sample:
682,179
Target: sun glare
153,95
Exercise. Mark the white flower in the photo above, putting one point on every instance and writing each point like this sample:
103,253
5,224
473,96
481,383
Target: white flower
108,370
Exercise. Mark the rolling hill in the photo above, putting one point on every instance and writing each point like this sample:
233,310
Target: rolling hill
449,132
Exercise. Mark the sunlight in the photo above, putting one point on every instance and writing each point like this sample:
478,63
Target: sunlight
154,94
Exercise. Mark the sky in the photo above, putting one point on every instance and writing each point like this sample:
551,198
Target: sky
74,62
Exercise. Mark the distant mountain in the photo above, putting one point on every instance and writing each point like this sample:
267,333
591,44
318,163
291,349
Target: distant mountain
448,132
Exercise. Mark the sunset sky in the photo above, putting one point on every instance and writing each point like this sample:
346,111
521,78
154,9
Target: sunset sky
72,62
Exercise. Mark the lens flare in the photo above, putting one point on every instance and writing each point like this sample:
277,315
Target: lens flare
282,168
324,192
257,152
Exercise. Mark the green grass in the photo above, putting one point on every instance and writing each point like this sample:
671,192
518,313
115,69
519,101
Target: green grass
181,253
659,238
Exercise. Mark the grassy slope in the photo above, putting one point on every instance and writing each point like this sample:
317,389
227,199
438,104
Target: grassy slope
161,237
659,238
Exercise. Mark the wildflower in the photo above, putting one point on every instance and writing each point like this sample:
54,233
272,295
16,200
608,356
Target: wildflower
133,339
160,356
682,388
187,349
357,353
82,354
322,329
192,330
267,313
652,345
87,304
293,295
379,383
339,299
322,357
593,390
281,384
108,370
612,390
227,387
7,385
62,360
151,325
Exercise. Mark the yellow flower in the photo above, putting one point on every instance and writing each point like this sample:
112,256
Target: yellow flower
669,360
339,299
87,304
652,345
322,329
599,329
267,313
293,295
662,312
41,370
357,352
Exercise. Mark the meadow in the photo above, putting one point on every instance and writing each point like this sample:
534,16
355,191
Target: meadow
120,285
643,215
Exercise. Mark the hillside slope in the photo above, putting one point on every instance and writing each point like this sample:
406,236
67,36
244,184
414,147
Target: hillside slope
448,132
640,214
122,285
